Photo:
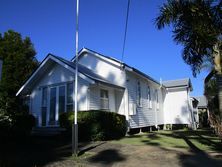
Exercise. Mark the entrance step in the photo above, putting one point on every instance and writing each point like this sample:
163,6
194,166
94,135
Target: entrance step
46,131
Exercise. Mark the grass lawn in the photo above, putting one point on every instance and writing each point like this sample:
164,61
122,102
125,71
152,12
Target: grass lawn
200,140
44,151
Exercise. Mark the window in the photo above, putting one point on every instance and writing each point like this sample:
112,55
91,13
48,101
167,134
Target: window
157,99
69,95
52,112
61,99
104,99
44,105
149,97
138,93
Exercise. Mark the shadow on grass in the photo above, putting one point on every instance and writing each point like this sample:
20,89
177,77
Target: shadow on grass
107,157
132,136
205,137
153,136
148,142
85,149
198,158
34,151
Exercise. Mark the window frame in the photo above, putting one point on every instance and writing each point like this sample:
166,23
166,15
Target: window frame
138,94
104,99
60,86
157,99
67,103
149,99
44,106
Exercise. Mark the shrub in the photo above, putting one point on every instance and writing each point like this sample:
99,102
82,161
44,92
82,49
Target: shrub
23,124
179,126
5,125
18,125
95,124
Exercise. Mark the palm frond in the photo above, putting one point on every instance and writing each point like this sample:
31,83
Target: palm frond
196,25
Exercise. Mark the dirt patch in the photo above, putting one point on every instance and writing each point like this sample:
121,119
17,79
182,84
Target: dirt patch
111,154
56,151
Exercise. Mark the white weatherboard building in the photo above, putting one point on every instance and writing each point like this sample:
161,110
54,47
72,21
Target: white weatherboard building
107,84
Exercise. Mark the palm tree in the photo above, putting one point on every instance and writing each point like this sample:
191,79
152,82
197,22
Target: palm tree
197,25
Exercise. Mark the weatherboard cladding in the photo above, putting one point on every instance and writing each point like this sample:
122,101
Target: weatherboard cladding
94,101
144,115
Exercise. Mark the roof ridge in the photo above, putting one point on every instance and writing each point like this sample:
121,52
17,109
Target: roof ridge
176,79
114,59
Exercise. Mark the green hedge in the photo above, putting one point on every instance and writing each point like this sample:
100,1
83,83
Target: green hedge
19,125
96,124
23,124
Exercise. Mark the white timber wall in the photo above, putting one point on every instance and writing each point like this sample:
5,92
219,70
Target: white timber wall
111,71
108,69
94,101
176,108
144,115
57,75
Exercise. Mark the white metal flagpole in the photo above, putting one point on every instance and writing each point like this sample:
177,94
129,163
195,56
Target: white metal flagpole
75,126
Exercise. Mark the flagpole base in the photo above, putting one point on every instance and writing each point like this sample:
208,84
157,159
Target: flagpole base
75,139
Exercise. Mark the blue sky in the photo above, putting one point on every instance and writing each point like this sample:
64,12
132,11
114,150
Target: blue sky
51,26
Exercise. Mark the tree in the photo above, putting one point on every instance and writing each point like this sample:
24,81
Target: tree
197,26
19,61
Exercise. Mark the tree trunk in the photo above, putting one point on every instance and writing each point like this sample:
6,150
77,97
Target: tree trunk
217,63
219,89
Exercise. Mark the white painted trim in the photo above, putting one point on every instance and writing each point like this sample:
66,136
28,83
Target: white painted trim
57,106
72,70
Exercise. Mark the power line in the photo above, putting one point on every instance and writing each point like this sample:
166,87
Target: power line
126,25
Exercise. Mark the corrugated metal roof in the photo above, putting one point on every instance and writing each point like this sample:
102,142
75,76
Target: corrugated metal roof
202,101
177,83
118,61
87,72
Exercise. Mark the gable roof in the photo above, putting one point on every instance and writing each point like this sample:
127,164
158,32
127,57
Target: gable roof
185,82
84,73
121,64
87,72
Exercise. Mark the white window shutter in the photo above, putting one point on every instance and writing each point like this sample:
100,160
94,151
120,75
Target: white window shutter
132,109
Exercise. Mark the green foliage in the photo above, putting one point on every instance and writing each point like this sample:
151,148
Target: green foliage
5,125
196,25
66,120
96,125
23,124
179,126
210,91
19,61
18,125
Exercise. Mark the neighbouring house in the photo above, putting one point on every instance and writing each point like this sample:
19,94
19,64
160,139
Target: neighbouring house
0,69
106,84
203,111
196,117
